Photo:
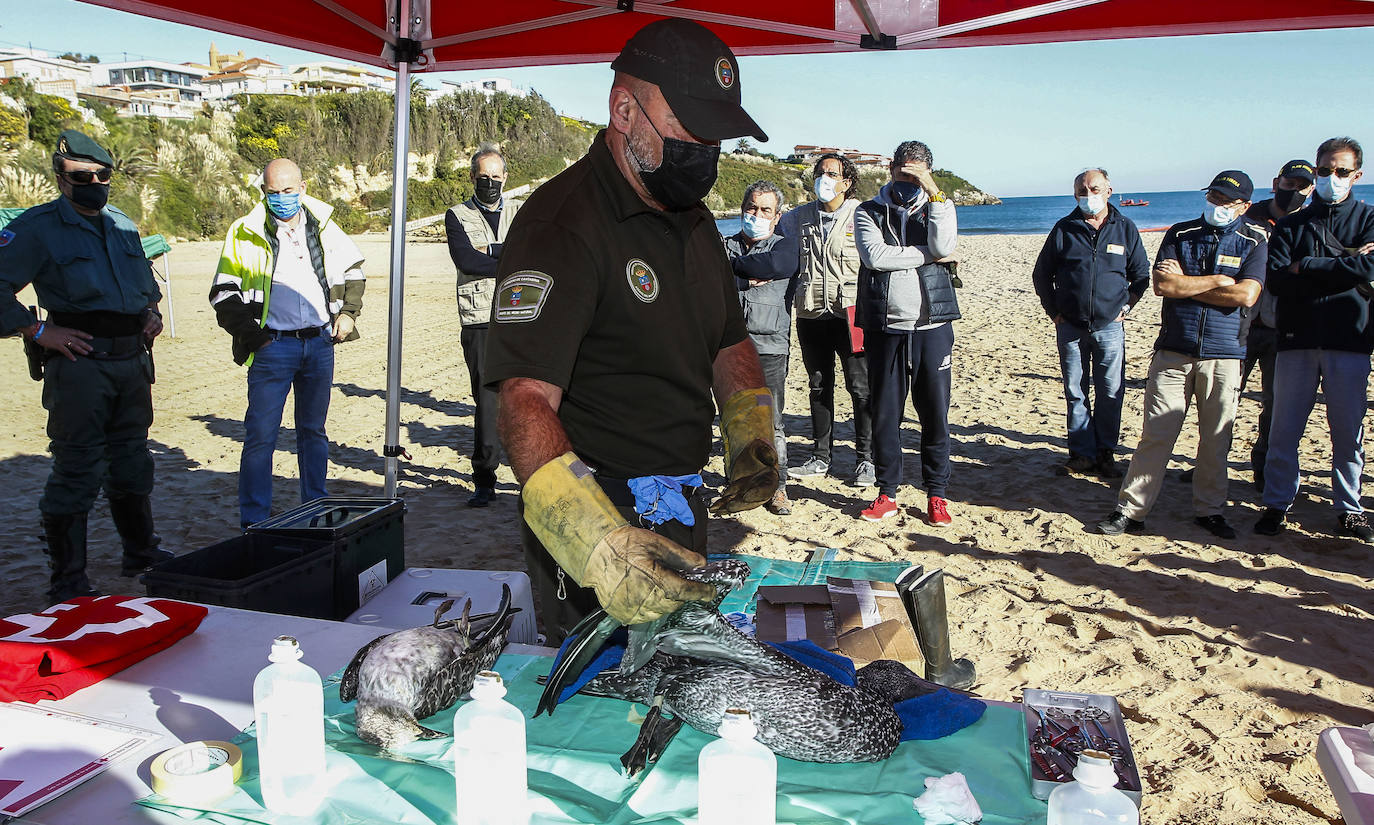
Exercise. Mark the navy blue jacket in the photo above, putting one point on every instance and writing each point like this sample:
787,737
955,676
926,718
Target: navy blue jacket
1321,307
1192,327
1088,275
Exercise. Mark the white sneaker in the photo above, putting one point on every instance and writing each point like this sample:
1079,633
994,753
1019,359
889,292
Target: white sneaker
813,467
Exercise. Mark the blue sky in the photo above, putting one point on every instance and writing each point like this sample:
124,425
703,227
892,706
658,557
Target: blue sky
1158,113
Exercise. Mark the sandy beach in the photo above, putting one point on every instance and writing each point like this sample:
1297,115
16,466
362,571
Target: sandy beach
1228,657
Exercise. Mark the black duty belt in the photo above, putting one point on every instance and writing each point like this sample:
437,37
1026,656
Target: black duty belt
99,324
307,332
118,348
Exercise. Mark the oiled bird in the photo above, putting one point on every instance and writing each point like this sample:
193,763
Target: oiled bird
409,675
694,665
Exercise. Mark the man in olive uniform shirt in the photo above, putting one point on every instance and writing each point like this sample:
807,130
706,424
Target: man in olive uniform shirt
614,324
86,264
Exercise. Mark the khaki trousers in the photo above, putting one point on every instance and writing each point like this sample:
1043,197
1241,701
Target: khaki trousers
1176,381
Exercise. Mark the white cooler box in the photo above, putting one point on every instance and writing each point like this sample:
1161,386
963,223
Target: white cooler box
1346,757
412,597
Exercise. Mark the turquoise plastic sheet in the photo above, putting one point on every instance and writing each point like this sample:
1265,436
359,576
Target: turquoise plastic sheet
574,758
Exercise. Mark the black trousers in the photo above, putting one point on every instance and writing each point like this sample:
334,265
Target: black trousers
775,378
1260,348
486,443
821,340
559,615
919,360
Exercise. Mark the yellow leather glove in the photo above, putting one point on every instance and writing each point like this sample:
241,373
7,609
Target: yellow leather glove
633,571
751,461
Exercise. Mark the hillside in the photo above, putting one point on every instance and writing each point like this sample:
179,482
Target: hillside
190,179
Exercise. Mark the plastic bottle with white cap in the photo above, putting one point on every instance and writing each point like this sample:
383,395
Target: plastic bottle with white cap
288,703
737,776
489,757
1092,798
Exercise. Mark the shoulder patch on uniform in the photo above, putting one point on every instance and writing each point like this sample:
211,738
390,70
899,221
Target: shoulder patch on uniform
520,297
6,236
642,279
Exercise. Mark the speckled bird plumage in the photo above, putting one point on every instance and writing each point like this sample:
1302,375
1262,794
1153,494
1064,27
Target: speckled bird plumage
413,674
700,665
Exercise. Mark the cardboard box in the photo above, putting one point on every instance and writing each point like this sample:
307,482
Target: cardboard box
786,613
871,622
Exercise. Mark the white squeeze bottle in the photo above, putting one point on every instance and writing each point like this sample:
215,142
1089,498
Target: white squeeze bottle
1092,798
288,702
737,776
489,757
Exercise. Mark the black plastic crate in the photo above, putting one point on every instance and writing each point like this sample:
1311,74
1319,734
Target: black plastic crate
367,535
273,574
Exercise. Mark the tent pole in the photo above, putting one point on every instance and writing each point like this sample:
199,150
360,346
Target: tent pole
400,176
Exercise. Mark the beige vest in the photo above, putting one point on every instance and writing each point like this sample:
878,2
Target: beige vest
475,292
829,274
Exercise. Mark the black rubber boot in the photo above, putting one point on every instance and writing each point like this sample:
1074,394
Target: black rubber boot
925,602
133,518
66,537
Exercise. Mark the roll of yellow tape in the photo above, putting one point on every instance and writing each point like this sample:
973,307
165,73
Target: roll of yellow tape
197,773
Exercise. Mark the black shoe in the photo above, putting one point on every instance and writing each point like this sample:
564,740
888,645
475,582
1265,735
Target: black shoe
1216,525
1117,523
482,496
1272,522
1357,526
66,538
1106,464
1186,476
1077,464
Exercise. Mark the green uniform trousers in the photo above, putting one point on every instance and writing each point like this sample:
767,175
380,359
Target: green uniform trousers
98,418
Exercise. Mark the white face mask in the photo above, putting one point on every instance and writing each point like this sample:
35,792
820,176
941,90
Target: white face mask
1333,189
825,188
757,226
1218,215
1092,204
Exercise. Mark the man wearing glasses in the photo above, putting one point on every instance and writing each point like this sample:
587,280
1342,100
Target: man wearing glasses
1320,269
288,288
87,267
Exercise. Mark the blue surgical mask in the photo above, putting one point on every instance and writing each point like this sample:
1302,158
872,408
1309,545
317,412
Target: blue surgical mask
1332,189
1218,215
284,205
1092,204
757,226
904,192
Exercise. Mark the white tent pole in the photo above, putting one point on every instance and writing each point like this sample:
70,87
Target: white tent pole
400,176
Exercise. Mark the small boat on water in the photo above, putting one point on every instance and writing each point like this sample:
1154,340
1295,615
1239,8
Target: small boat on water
1134,202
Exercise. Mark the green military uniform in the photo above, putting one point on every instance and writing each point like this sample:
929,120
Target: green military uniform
90,274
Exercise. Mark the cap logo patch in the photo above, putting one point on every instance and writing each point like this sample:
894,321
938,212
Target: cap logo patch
1231,181
521,297
62,146
725,73
643,280
6,236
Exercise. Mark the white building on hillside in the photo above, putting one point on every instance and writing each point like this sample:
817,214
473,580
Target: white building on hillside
252,76
49,75
153,76
486,85
322,77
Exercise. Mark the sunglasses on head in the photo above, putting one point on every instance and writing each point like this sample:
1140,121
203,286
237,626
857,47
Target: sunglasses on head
1340,171
85,176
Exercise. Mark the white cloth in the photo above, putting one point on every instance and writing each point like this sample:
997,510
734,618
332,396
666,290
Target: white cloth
948,801
297,300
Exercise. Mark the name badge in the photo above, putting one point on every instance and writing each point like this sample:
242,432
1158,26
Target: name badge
1115,249
1228,260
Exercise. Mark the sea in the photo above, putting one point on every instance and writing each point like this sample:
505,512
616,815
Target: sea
1037,215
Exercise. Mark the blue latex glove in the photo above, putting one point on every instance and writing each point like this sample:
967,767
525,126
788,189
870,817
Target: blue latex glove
659,498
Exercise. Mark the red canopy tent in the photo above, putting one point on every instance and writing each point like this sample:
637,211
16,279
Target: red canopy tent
460,34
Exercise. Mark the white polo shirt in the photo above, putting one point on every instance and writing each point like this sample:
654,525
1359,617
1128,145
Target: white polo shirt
298,300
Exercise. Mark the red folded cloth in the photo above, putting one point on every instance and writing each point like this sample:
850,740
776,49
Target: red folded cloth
53,654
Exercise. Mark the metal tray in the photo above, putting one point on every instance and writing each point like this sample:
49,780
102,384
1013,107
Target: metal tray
1068,710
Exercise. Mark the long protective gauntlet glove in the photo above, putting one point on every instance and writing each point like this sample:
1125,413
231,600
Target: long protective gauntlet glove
633,571
751,461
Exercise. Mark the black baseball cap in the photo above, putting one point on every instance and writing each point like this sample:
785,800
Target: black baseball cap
79,146
1299,169
1232,183
697,74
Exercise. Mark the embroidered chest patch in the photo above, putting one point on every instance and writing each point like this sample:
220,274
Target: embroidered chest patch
643,280
521,297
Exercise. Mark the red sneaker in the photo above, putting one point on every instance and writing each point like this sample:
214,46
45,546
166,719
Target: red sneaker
881,508
939,511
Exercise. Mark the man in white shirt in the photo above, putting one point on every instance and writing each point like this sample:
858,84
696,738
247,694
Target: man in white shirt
288,288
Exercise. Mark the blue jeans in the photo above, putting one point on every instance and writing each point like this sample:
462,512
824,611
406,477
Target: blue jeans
1099,357
1344,377
307,365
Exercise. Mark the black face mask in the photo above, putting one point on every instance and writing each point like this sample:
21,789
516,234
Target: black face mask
90,195
1289,200
905,192
488,190
686,174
